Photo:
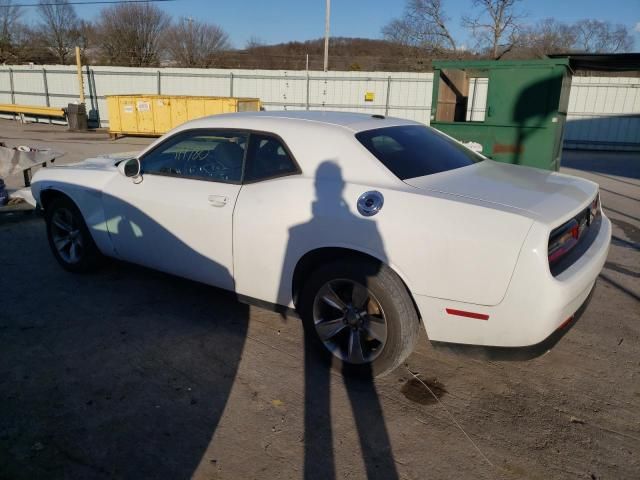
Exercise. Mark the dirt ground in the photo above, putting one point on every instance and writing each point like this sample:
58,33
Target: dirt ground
128,373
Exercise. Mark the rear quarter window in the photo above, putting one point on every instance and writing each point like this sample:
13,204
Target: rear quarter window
411,151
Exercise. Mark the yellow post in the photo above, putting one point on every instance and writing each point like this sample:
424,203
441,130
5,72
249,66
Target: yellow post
80,81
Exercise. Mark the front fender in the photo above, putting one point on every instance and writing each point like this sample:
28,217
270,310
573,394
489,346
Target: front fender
84,188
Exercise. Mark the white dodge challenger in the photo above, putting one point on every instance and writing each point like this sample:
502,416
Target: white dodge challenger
368,226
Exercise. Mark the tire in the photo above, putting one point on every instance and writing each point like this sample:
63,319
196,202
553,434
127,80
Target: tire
69,238
326,295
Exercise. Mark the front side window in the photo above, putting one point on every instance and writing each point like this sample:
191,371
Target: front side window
267,158
411,151
200,154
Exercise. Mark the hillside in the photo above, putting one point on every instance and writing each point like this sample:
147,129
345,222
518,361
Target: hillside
344,54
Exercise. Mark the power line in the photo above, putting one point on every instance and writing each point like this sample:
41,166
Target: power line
92,2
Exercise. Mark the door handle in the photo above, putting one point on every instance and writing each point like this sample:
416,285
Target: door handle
218,200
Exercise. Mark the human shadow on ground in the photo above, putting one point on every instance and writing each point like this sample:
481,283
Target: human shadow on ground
331,217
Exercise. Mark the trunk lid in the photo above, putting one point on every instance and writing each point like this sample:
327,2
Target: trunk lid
544,196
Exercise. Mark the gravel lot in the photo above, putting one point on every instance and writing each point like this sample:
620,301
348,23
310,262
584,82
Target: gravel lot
128,373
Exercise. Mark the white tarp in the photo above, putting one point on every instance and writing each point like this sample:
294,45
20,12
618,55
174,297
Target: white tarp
15,161
26,195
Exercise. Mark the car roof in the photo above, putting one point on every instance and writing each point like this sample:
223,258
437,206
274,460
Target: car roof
313,137
356,122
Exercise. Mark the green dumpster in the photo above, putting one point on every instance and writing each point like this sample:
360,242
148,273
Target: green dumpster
512,111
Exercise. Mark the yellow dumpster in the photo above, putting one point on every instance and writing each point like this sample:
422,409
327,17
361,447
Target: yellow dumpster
157,114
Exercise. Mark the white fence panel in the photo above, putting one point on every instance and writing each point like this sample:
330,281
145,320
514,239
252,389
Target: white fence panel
477,104
410,96
25,83
277,89
196,81
5,93
604,112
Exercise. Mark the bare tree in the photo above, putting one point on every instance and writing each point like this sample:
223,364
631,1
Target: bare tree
550,36
545,37
423,24
59,28
195,44
497,25
9,22
254,42
87,34
554,37
400,31
602,37
131,33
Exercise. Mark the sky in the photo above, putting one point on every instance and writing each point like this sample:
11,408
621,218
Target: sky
275,21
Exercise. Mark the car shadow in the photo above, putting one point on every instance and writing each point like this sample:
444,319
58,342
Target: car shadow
137,366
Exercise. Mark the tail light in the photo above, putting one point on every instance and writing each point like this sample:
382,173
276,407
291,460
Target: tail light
564,238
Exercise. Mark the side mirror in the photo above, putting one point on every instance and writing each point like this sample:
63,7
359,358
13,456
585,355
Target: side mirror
130,168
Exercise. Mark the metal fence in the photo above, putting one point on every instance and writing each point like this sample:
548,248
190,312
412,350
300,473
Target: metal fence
604,112
406,95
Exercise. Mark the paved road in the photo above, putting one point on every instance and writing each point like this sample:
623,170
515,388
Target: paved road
128,373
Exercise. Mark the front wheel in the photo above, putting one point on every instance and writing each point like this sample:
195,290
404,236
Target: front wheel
360,315
69,238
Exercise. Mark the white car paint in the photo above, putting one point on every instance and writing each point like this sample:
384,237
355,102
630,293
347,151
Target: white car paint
151,220
473,238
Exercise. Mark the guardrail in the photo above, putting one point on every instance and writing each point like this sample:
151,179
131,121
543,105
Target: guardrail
35,111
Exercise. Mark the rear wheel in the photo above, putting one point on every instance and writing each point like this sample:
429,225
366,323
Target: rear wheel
360,315
69,238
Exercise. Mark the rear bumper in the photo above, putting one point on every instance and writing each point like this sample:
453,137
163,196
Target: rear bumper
516,353
535,306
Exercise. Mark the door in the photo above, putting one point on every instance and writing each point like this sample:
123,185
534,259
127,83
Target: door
178,216
272,202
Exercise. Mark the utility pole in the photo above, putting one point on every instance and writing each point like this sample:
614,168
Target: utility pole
326,35
80,79
190,43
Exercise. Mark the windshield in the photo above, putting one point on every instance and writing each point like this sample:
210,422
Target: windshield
411,151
